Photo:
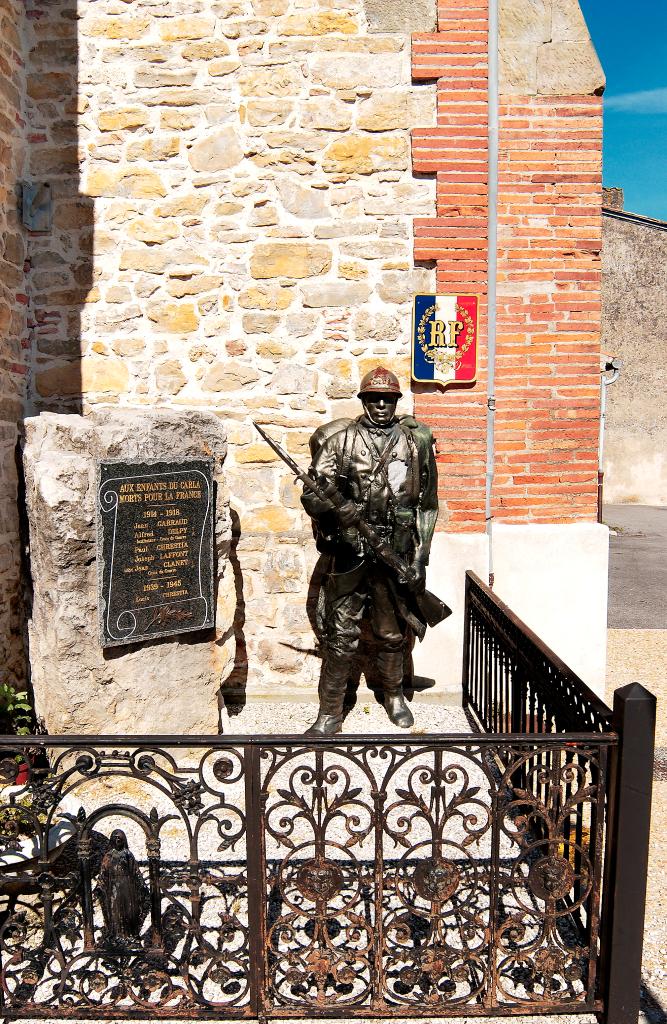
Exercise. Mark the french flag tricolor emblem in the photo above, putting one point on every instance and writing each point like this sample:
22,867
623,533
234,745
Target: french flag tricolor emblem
444,339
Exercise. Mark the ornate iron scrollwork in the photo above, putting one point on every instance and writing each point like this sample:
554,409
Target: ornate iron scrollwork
436,879
138,913
410,878
319,879
551,878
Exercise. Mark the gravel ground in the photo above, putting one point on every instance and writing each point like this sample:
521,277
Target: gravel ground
367,717
640,655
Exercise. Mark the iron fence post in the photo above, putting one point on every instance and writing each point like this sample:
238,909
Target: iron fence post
466,670
627,854
256,887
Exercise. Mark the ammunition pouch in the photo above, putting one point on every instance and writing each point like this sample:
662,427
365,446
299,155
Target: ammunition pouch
404,531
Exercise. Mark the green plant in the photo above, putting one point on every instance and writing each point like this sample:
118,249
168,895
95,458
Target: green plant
15,822
15,710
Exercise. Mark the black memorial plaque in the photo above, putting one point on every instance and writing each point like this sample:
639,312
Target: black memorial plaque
155,549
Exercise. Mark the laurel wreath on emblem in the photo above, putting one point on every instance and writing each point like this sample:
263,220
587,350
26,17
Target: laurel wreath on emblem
438,355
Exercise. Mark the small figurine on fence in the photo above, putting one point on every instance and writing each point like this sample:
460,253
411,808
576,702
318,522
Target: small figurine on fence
122,891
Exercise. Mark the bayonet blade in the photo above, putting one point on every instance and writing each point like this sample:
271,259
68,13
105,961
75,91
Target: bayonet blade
289,461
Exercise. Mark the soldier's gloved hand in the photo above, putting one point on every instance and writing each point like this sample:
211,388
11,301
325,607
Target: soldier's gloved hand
348,514
416,577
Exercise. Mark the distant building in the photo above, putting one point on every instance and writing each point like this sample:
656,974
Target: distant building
634,329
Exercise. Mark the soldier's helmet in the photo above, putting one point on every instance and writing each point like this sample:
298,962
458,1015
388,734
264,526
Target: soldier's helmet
380,381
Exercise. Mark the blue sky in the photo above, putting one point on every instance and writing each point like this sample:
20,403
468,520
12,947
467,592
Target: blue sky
630,37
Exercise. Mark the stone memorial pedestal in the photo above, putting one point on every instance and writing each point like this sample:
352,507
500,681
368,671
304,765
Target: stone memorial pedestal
166,685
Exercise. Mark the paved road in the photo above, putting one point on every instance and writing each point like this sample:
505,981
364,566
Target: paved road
637,566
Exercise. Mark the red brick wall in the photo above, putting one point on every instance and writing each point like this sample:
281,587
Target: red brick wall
456,150
549,284
547,369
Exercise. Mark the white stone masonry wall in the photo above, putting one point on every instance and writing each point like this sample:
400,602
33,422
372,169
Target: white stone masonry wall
252,254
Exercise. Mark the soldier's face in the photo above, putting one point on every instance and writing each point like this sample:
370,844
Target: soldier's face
379,407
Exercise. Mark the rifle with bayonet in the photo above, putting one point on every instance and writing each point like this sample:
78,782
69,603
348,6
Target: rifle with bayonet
419,607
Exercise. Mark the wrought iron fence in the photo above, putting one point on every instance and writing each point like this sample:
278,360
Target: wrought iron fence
513,682
290,877
356,876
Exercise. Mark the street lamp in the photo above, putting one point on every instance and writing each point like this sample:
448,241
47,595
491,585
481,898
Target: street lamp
613,368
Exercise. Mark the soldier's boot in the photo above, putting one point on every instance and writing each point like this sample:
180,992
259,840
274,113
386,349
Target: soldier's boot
333,684
390,670
325,725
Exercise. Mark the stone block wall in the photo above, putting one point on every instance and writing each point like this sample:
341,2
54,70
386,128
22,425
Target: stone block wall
59,283
242,242
249,168
14,350
168,685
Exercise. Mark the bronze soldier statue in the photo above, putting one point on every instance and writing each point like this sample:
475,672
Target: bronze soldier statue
385,470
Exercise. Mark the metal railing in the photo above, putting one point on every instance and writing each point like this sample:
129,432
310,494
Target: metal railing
513,682
354,876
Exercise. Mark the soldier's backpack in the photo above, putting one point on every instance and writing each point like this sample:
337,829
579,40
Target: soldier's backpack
419,432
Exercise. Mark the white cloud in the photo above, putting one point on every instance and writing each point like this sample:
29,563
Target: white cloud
648,101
